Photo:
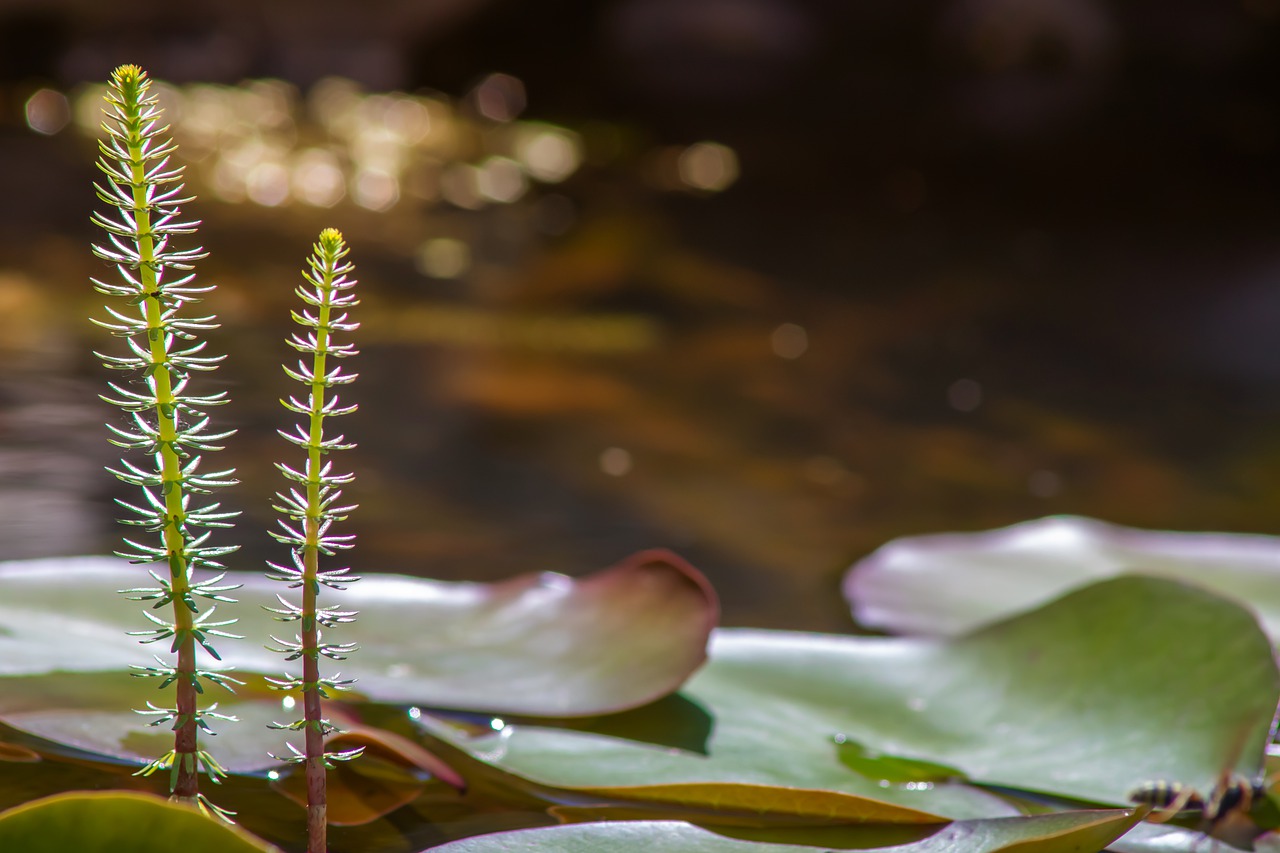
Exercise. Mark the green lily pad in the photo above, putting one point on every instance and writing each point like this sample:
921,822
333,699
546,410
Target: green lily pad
1162,838
110,823
541,644
90,715
1068,832
1119,683
950,583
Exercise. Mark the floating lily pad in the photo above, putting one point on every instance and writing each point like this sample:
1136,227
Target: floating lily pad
541,644
110,823
1068,832
91,715
950,583
1162,838
392,772
1122,682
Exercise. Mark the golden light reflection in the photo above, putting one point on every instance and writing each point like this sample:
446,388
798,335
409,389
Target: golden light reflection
443,257
48,112
548,153
226,180
375,189
498,97
408,118
334,103
789,341
171,99
458,325
378,147
208,115
267,183
824,470
271,103
964,395
263,142
460,186
317,178
1044,483
708,166
500,179
86,108
615,461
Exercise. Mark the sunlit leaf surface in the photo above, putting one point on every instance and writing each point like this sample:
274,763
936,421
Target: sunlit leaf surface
392,772
92,715
111,823
950,583
1162,838
1082,699
1060,833
540,644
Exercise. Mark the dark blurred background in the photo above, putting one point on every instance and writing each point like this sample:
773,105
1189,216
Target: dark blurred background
767,282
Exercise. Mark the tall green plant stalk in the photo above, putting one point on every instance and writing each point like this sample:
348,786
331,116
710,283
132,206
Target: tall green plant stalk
166,425
310,509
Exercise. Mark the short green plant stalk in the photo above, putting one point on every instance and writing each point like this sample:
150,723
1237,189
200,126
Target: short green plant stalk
167,424
310,509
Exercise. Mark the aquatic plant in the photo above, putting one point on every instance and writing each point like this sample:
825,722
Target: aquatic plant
311,508
813,741
167,425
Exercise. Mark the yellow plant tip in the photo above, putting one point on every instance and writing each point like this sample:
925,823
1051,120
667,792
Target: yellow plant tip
127,74
330,238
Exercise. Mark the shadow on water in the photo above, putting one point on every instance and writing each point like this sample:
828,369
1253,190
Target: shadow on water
674,721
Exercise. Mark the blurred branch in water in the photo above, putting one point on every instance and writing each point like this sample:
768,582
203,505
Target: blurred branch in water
460,325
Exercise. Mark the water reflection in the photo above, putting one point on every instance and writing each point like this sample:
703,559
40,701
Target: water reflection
264,143
573,350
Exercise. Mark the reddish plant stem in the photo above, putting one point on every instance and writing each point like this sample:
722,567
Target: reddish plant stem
317,804
185,742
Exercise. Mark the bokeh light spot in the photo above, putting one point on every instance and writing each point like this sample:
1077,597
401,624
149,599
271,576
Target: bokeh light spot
499,97
549,154
708,166
964,395
789,341
459,186
500,179
317,178
268,184
824,470
1044,483
375,190
48,111
615,461
444,257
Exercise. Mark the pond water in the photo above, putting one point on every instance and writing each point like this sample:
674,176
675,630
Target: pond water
578,343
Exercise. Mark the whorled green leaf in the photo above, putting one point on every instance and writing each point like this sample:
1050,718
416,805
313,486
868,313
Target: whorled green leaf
950,583
115,822
1119,683
541,644
1068,832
